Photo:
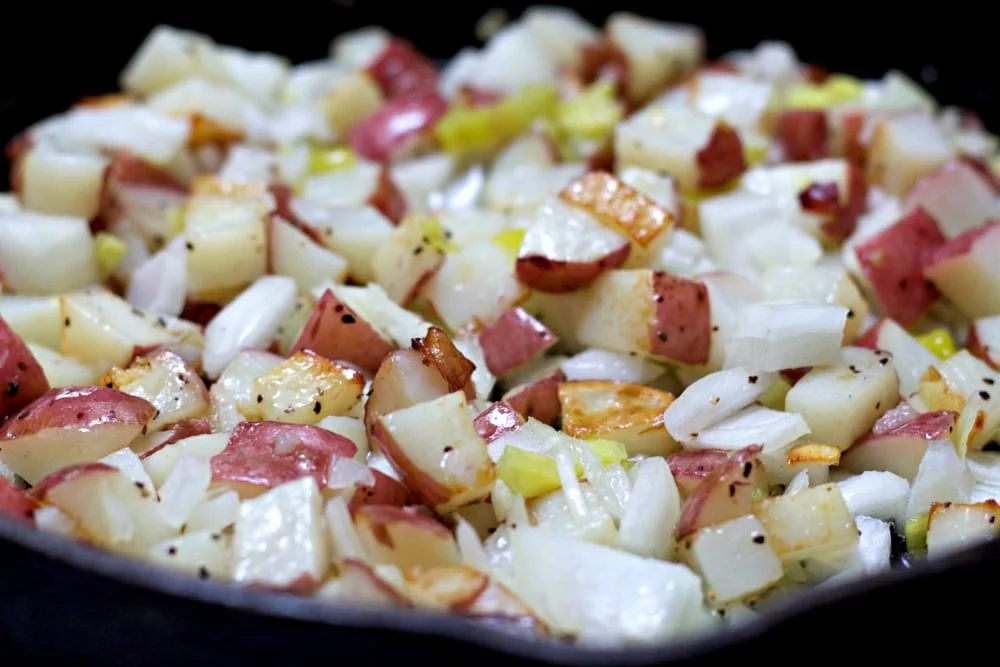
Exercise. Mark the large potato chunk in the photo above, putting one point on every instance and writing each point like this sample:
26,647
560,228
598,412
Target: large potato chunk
628,413
226,241
813,522
735,558
22,379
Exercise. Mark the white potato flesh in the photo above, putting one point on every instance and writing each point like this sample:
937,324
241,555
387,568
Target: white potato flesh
665,139
561,32
602,595
203,553
235,386
166,56
842,402
979,419
373,305
218,102
46,254
354,233
953,527
812,523
618,312
909,357
351,428
970,278
281,537
161,462
35,319
906,148
226,240
62,183
297,256
63,371
519,189
777,335
657,52
562,233
956,197
346,187
735,558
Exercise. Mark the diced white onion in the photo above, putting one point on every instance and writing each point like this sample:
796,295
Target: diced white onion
756,425
713,399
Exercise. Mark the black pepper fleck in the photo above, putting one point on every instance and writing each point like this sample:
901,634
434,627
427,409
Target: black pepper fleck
12,389
884,360
448,448
260,399
347,318
732,490
317,407
753,379
758,539
171,551
189,246
662,335
985,395
203,572
989,381
747,468
66,322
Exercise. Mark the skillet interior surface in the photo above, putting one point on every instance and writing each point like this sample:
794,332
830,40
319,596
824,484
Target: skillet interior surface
60,602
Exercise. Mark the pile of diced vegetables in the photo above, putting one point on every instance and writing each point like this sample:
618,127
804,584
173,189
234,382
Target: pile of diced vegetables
579,334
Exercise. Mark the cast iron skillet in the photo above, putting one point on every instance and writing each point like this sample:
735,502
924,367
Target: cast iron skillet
62,603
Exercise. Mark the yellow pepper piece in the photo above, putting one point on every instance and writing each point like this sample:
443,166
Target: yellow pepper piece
774,397
324,160
437,236
916,533
939,343
528,473
609,451
754,155
464,130
175,220
837,89
591,114
110,251
510,240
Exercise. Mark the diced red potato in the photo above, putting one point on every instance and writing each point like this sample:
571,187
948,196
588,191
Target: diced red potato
15,503
984,340
404,537
435,447
619,207
150,443
604,60
402,381
538,398
160,462
953,527
399,127
697,150
336,332
407,260
69,426
513,339
497,420
295,254
957,196
893,261
142,193
22,379
438,350
691,466
45,254
904,149
366,183
234,388
627,413
354,233
727,492
399,70
803,134
966,271
60,183
263,455
657,53
359,583
984,170
385,491
813,522
464,590
901,448
840,212
846,134
673,311
165,381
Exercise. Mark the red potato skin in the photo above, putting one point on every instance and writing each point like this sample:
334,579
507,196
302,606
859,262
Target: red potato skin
186,428
401,70
360,573
497,420
394,129
721,159
515,338
979,349
824,199
63,475
604,60
894,260
917,433
730,485
539,400
960,245
560,277
15,503
803,135
438,350
869,339
200,312
683,329
689,467
793,375
250,457
379,517
128,170
388,198
336,332
283,196
22,379
78,408
385,492
389,390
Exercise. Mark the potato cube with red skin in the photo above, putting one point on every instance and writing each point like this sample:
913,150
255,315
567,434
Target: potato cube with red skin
15,503
385,491
496,420
957,196
435,447
650,312
893,261
71,425
904,149
803,134
513,339
366,183
691,466
401,70
474,285
22,379
966,270
163,379
438,351
142,192
226,241
404,537
984,340
263,455
404,379
900,448
840,211
299,255
657,54
697,150
462,589
727,492
538,398
399,127
631,414
407,260
619,207
336,332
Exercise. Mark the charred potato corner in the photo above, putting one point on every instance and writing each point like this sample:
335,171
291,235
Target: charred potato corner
580,333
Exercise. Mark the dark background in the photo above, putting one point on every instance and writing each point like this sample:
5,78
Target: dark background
55,53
